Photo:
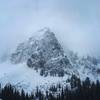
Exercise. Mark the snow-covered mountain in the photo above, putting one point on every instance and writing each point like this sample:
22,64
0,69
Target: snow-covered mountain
44,41
41,59
43,52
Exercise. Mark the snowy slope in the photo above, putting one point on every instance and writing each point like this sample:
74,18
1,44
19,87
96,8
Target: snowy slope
85,66
23,77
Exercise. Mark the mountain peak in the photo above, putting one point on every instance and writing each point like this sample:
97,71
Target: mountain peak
44,52
41,38
45,29
43,33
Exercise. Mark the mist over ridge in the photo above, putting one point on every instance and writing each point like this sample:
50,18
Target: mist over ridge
75,23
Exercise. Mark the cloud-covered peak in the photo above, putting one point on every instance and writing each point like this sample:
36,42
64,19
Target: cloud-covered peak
43,39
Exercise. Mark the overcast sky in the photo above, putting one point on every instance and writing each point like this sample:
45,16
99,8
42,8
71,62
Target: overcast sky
75,22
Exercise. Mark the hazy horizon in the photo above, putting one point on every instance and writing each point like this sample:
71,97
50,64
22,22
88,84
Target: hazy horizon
76,23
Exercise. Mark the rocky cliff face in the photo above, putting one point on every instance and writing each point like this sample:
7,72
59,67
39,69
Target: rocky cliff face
43,52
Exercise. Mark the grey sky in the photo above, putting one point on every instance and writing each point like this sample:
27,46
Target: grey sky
75,22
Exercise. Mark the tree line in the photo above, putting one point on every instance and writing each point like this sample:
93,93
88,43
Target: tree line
79,90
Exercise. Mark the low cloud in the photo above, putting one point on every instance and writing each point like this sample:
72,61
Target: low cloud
75,23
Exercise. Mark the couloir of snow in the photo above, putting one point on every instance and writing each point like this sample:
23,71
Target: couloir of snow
26,78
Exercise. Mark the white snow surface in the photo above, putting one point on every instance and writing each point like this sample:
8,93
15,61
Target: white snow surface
26,78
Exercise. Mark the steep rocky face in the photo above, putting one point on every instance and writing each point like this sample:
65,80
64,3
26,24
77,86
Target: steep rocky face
43,52
86,66
89,65
45,43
